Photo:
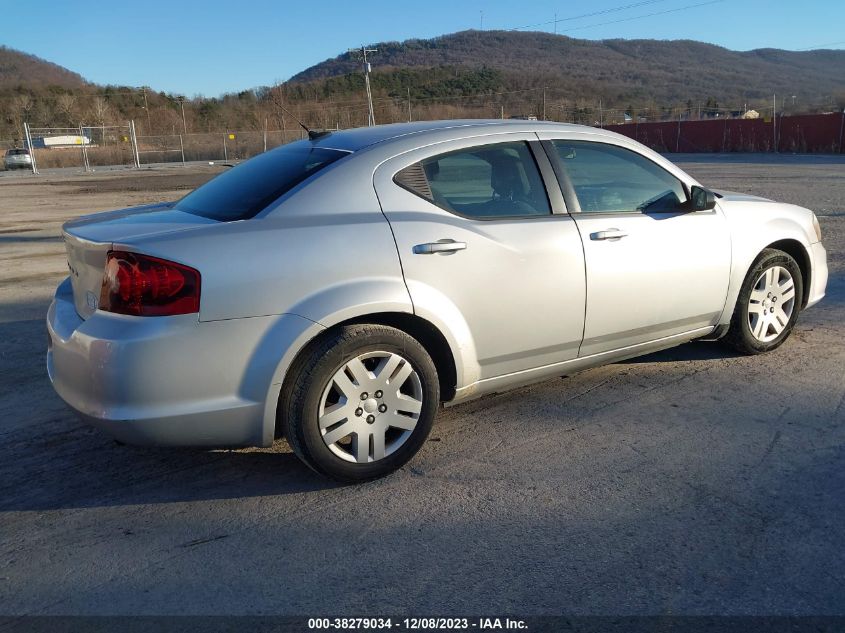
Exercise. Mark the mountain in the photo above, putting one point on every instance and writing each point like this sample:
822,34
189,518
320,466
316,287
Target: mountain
463,75
19,69
616,70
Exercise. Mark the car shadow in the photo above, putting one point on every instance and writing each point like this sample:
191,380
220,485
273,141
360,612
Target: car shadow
79,467
51,460
694,351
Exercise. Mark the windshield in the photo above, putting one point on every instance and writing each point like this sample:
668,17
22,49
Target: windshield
251,187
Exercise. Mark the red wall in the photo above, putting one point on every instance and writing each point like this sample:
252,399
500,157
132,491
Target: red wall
810,133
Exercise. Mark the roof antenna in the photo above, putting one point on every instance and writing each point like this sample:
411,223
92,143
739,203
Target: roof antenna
312,134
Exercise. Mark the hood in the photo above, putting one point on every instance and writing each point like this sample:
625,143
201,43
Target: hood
734,196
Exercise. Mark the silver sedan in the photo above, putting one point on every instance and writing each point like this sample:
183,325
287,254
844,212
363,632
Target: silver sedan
339,289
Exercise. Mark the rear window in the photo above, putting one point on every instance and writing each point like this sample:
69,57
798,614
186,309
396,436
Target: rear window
245,190
17,152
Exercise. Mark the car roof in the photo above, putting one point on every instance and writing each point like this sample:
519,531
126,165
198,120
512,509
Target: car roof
358,138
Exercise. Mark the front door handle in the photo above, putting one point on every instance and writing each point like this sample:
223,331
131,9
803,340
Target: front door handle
609,234
443,246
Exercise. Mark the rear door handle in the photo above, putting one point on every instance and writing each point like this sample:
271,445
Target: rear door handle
443,246
608,234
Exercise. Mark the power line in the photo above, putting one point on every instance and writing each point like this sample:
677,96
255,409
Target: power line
588,15
817,46
640,17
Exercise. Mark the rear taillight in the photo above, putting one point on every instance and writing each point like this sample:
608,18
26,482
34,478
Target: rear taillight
148,286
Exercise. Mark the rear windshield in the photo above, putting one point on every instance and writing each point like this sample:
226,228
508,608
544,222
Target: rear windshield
17,152
251,187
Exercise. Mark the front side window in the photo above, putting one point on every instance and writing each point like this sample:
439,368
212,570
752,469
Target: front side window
486,182
249,188
610,179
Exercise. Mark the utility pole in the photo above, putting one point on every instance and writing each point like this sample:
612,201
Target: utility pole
555,22
182,105
544,103
482,20
774,123
147,108
371,117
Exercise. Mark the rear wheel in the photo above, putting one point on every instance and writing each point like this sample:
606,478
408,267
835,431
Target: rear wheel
768,304
361,403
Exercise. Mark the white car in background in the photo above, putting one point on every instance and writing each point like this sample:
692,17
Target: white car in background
338,289
17,159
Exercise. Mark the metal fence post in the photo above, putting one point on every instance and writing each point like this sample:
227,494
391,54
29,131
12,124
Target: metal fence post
31,149
225,153
85,164
678,138
182,148
133,138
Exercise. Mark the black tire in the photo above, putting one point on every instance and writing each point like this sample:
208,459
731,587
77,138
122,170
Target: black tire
740,336
299,403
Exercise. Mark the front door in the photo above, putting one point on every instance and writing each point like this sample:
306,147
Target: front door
654,269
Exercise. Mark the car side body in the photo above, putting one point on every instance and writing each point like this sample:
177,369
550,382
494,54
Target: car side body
510,301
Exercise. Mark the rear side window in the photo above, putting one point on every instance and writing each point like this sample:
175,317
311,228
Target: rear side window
245,190
610,179
486,182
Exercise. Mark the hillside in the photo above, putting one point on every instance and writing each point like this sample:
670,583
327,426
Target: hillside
618,71
19,69
462,75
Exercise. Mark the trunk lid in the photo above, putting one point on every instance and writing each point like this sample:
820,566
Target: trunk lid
89,239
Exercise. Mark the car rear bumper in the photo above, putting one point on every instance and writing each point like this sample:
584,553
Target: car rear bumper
12,164
170,381
818,280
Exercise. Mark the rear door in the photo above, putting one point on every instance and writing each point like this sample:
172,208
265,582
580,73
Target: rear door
654,268
481,241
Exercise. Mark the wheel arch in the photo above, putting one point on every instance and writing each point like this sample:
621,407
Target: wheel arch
799,253
428,335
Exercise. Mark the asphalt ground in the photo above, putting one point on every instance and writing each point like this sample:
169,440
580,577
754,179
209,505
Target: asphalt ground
692,481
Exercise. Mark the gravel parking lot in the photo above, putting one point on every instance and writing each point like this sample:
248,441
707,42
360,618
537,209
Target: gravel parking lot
692,481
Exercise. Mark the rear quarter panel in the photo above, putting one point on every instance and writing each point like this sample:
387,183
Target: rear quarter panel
324,252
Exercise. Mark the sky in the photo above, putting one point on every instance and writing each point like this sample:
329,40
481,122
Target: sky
208,47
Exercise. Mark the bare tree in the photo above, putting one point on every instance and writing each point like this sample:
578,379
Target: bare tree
20,109
66,104
101,112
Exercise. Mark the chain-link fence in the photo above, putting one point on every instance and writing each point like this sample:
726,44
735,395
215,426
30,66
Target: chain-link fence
88,146
213,146
84,146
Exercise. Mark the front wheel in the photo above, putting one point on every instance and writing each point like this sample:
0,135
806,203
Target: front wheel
361,402
768,304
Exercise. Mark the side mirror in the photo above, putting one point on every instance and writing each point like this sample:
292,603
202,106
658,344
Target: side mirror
702,199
